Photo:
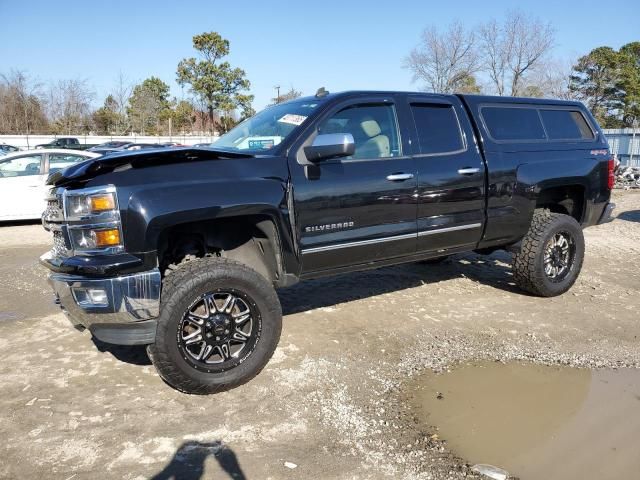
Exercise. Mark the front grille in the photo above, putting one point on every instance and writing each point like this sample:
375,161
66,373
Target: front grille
53,211
53,221
59,248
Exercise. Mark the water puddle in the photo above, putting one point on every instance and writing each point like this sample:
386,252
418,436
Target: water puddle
9,316
534,421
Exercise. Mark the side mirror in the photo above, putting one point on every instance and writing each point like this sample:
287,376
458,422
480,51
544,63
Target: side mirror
330,145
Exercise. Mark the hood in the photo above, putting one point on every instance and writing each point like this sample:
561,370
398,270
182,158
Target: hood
136,159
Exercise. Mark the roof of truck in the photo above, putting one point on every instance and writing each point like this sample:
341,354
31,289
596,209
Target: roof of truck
470,98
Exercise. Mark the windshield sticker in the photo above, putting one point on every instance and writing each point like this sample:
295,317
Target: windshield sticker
261,144
292,119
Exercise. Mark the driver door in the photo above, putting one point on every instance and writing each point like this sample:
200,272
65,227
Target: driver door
358,209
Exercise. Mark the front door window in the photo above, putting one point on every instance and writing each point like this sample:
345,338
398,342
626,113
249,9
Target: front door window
21,166
374,129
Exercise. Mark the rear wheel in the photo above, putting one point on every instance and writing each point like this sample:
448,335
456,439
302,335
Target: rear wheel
219,324
551,255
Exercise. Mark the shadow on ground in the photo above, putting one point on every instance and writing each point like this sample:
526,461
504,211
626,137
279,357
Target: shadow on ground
492,270
134,354
188,462
630,216
18,223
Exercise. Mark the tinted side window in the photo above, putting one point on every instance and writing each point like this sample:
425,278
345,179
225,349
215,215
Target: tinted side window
513,123
438,128
565,125
374,129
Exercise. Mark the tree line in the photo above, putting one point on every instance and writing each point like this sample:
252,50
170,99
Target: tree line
218,99
514,57
511,56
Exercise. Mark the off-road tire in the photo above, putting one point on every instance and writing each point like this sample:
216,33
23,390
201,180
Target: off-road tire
179,290
528,263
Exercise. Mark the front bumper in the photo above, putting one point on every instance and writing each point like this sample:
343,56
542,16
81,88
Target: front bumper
126,311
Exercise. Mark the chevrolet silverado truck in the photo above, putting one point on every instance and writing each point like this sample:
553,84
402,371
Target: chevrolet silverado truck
182,250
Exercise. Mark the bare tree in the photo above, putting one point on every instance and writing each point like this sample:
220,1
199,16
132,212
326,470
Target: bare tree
21,104
512,49
444,61
69,105
550,79
121,93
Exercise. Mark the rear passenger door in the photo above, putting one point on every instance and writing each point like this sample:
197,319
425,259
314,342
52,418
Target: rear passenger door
451,175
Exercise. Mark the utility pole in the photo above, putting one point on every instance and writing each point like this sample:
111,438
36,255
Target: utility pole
277,87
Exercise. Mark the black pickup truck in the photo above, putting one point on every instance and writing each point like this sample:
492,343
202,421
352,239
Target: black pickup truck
183,249
71,143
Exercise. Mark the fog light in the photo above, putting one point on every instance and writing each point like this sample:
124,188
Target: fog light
98,296
91,297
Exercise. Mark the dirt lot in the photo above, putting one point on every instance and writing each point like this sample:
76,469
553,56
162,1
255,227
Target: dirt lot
332,400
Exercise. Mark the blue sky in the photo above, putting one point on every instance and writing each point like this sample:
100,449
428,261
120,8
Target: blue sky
337,44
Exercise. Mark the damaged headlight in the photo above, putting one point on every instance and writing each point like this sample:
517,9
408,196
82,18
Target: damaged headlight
93,218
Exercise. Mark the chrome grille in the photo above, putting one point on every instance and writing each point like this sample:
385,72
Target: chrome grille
54,209
53,221
59,248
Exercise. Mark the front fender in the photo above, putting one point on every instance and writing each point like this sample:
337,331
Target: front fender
152,209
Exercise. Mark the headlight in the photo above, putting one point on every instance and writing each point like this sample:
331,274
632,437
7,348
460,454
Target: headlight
94,220
84,239
80,206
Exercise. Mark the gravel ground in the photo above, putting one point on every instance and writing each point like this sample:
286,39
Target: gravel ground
332,400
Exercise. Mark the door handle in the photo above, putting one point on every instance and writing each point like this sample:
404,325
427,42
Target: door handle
399,177
468,171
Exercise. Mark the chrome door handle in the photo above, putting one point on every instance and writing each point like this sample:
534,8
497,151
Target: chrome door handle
399,177
468,171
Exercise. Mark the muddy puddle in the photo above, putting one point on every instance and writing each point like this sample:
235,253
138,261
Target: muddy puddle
536,422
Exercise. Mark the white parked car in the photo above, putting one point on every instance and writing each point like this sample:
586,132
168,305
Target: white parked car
23,176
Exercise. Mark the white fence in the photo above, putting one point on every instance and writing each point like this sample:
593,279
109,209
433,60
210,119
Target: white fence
625,144
29,141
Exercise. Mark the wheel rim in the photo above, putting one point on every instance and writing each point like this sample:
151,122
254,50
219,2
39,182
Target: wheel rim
218,330
559,254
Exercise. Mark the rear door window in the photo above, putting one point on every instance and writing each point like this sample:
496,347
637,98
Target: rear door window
513,123
58,161
566,125
438,128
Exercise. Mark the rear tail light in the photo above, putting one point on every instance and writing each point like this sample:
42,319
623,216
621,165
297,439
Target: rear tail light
611,178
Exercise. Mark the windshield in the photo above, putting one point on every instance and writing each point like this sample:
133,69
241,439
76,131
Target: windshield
268,128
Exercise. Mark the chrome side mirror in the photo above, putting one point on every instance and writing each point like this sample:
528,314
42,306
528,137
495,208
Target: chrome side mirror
330,145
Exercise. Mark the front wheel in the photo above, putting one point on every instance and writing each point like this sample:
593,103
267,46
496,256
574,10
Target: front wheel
219,324
551,255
